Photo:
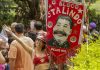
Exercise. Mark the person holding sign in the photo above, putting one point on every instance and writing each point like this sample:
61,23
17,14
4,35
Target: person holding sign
61,31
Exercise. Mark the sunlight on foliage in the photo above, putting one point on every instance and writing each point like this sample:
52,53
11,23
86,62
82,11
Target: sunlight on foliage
96,6
88,58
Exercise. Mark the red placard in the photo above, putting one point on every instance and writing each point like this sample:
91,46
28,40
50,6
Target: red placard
64,21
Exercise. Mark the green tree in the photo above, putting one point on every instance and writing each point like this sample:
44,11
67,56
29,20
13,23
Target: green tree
19,11
7,11
94,13
27,10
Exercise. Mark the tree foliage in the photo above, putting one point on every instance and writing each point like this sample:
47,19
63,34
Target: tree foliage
25,10
19,10
94,13
93,17
7,9
29,10
88,58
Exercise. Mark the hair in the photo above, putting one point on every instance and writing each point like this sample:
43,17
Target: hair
13,24
44,46
38,25
66,18
19,28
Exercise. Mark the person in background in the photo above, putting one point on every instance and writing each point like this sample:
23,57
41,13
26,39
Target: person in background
35,29
39,28
2,59
13,26
2,54
4,47
30,30
10,38
19,59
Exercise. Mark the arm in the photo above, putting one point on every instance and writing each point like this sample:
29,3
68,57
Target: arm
24,45
2,59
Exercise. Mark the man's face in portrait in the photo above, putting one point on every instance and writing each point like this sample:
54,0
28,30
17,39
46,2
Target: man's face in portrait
61,30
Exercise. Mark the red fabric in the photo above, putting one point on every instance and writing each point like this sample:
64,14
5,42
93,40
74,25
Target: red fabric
38,60
75,12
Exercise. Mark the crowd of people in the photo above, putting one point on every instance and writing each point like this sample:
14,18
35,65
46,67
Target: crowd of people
26,50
